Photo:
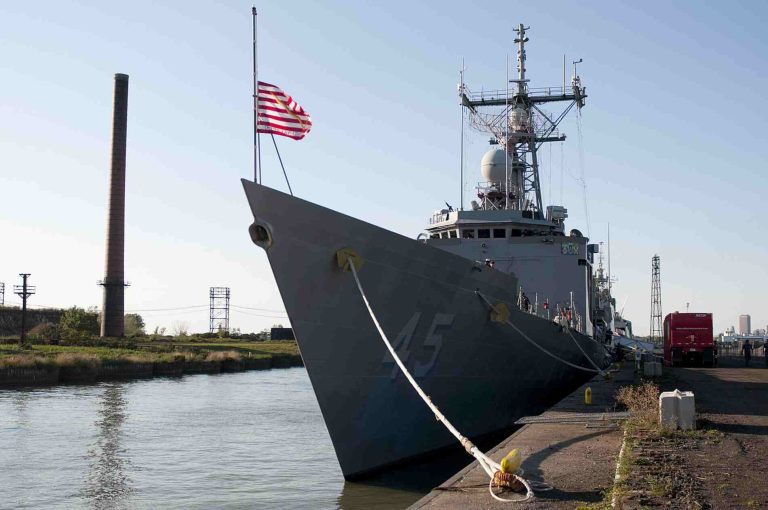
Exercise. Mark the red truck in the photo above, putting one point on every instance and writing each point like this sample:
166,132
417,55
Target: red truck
688,338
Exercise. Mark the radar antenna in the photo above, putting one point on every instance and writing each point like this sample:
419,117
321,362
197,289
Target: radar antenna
518,124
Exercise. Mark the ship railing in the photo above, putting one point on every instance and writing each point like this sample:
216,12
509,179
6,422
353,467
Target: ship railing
491,95
439,218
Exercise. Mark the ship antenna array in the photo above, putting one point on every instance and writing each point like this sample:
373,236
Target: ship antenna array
515,120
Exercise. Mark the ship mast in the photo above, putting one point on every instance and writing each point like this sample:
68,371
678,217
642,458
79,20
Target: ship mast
518,124
521,40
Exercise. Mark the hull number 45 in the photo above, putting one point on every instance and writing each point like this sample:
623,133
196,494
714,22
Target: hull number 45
431,345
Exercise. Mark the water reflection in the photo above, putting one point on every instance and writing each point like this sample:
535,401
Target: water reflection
245,440
106,484
20,401
403,486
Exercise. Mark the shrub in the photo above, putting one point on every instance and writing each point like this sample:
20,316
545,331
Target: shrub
223,356
137,358
176,357
24,361
78,324
70,359
46,332
134,325
180,328
643,404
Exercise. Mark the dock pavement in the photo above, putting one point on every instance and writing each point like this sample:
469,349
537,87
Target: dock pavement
578,460
723,465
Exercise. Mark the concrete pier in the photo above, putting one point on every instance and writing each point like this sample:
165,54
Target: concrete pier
720,465
579,461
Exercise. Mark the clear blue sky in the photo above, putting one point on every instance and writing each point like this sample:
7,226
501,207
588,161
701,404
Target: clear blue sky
673,138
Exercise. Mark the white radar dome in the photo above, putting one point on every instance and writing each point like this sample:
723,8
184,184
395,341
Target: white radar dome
493,166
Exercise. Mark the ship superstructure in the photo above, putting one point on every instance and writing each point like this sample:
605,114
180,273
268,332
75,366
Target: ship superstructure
508,225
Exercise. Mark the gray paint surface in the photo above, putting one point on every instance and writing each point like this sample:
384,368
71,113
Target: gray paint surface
481,374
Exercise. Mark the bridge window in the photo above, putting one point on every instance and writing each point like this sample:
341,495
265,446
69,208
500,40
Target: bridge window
454,234
483,233
444,235
468,233
434,236
499,232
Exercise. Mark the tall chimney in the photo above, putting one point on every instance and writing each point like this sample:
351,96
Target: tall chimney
112,320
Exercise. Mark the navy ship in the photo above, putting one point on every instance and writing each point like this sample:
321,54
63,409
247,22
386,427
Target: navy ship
490,308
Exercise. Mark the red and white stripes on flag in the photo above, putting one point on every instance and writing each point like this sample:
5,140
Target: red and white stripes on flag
280,115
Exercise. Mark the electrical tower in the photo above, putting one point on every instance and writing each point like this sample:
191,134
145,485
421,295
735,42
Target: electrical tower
23,291
2,294
656,334
219,309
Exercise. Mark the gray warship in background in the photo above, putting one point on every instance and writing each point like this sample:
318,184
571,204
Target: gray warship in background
426,293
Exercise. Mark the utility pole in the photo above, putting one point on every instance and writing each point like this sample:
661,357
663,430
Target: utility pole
23,291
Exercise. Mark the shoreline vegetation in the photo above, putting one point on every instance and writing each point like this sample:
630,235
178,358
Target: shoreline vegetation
91,361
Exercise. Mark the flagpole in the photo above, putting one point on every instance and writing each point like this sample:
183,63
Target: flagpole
256,163
461,158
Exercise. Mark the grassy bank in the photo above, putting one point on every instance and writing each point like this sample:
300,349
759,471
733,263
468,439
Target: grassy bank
143,351
88,363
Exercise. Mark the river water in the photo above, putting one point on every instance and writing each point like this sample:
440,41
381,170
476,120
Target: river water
246,440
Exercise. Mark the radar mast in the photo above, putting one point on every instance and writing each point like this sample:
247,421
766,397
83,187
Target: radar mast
516,122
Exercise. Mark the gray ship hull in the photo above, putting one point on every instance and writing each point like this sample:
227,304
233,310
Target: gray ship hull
481,374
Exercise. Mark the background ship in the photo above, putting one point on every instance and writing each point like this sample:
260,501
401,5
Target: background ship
432,295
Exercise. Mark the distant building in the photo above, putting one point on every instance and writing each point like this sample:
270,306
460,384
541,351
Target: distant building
281,334
745,324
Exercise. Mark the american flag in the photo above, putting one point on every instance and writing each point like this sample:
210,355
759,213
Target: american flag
279,114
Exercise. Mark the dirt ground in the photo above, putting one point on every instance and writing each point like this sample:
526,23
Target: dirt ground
724,464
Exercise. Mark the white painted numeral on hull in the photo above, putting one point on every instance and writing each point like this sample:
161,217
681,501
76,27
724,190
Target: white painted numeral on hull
401,343
433,343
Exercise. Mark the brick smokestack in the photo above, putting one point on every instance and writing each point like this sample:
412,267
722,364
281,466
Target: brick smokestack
112,320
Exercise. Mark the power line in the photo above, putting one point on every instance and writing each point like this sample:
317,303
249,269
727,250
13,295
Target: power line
258,309
166,309
283,316
247,310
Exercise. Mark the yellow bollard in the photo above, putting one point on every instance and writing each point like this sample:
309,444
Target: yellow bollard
511,463
588,396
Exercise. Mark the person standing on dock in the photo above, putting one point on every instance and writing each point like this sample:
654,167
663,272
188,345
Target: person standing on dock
747,349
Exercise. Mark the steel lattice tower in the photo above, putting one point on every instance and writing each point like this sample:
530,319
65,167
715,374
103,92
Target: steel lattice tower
656,333
2,294
219,309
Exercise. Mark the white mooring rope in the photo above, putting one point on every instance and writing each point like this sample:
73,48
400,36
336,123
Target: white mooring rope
542,349
591,361
488,465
